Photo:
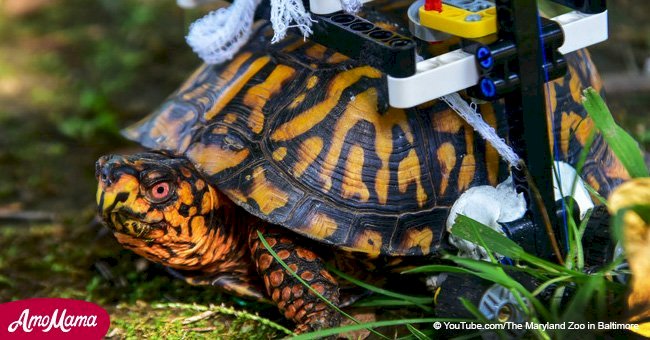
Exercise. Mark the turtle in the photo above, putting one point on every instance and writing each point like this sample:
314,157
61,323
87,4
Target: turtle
296,142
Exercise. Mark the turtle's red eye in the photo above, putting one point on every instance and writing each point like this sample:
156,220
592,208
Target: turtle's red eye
160,191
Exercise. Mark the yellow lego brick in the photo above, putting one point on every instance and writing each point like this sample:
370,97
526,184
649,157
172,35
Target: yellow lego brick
452,20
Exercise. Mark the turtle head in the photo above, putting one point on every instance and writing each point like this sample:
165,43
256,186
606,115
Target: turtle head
158,206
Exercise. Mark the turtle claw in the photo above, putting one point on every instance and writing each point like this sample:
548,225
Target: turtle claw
238,286
319,320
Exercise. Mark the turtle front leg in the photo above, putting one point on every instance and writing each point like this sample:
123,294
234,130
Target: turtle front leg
297,302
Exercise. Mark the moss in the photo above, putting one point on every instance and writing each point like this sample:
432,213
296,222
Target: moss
184,321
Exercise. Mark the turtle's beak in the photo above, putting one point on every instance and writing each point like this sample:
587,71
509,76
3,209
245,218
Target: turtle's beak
117,184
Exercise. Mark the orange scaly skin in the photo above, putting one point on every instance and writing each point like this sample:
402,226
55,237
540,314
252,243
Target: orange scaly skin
193,228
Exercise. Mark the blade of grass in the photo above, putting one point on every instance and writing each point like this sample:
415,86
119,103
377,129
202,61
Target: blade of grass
475,335
223,310
436,268
536,273
381,302
473,309
490,271
575,239
417,333
622,144
556,301
468,229
579,233
609,270
572,260
465,227
574,310
601,298
550,282
582,158
618,224
479,316
584,223
420,301
496,274
427,334
594,193
297,277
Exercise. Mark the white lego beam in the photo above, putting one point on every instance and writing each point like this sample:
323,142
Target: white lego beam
457,70
582,30
434,78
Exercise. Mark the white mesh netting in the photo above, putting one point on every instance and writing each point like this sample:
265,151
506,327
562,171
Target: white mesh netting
220,34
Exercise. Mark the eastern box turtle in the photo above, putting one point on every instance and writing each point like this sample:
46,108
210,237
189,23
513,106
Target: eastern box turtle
298,142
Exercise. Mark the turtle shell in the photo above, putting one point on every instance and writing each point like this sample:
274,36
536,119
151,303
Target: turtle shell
303,137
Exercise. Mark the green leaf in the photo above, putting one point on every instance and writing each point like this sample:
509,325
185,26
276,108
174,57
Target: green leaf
476,232
488,271
622,144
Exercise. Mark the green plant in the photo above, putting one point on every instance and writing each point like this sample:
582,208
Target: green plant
622,144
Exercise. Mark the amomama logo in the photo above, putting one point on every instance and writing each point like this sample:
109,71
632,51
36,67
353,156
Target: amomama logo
52,318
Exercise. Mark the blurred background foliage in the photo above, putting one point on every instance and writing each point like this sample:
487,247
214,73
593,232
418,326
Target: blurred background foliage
73,72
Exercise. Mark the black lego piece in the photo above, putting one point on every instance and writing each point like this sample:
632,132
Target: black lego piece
526,109
534,240
515,68
362,40
499,67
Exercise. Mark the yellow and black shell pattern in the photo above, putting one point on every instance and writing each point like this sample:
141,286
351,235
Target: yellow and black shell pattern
303,137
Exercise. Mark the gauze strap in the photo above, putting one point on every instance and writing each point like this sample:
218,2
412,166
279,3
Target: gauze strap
473,118
351,6
220,34
283,13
